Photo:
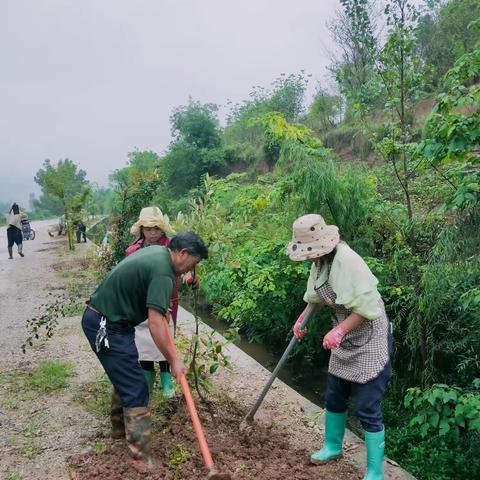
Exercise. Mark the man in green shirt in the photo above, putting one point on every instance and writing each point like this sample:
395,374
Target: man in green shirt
139,287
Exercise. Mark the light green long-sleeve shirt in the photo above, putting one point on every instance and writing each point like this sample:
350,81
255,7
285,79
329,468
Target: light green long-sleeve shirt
351,280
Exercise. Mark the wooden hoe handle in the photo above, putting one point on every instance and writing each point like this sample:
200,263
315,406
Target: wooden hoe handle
207,457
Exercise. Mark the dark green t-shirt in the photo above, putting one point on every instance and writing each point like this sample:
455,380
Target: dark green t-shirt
141,281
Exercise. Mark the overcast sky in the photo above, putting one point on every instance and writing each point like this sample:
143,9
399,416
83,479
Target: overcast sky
92,80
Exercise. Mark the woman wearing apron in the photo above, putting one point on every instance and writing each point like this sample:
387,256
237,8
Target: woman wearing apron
150,229
360,340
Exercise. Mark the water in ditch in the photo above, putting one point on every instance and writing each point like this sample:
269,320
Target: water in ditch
310,383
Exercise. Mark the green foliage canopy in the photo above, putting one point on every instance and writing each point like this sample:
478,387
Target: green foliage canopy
66,183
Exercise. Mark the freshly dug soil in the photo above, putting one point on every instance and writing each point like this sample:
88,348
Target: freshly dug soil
260,453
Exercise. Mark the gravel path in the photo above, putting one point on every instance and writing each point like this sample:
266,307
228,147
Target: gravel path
38,431
24,283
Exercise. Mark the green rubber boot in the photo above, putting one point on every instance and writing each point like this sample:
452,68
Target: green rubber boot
334,432
150,377
375,443
167,384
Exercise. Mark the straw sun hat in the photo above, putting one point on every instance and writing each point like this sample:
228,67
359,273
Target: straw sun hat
312,238
151,217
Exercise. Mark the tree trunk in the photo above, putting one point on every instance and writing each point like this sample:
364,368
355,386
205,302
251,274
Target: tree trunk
403,126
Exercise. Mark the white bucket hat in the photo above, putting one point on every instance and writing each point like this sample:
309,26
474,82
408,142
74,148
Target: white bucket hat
151,217
312,238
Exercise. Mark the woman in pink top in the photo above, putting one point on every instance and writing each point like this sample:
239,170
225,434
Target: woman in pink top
151,229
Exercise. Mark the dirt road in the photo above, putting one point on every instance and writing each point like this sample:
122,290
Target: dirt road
37,431
23,286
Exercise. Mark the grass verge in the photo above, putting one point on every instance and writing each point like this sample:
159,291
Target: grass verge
50,376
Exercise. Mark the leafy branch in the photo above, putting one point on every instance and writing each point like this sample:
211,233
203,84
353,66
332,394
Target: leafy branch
47,322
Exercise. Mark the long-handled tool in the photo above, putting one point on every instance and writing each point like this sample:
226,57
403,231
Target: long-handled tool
307,315
213,473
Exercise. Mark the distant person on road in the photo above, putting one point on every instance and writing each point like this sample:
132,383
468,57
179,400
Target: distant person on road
139,287
360,340
81,232
61,226
25,226
14,230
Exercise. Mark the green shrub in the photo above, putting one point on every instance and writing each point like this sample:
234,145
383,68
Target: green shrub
432,456
261,291
445,410
348,138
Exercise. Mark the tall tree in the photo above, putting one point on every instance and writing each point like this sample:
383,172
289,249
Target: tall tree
399,69
452,133
68,184
134,187
286,95
47,205
196,124
196,149
443,35
144,160
354,32
325,111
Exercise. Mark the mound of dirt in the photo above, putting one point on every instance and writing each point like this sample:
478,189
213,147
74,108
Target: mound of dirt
255,453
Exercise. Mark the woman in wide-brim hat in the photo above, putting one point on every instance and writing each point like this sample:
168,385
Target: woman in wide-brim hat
360,340
152,228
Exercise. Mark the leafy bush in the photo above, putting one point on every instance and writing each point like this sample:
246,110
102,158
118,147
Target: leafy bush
433,457
442,440
444,409
350,138
264,288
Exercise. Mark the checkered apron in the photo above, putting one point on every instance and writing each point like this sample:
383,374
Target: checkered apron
363,353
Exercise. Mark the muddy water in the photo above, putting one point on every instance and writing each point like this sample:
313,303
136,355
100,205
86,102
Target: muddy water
310,384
